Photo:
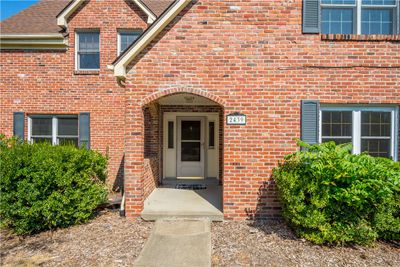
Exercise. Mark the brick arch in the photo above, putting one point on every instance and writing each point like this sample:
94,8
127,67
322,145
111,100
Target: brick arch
154,96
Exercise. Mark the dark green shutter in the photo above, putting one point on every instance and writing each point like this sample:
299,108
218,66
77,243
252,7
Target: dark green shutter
311,16
309,121
19,125
84,129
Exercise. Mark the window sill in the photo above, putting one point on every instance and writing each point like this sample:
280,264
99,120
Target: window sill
361,37
87,72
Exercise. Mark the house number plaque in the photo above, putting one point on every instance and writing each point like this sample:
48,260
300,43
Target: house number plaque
236,119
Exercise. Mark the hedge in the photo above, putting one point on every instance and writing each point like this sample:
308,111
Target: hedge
44,187
331,196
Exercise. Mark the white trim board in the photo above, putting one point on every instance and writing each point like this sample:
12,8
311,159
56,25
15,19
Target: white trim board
211,163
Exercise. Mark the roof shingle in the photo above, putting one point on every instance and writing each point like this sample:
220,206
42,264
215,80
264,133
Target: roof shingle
41,17
157,6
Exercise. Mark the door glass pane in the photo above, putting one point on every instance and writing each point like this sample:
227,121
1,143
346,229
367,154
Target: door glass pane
170,134
211,134
41,126
190,151
337,21
67,126
190,130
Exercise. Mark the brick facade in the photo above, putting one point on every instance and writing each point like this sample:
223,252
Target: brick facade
45,82
248,56
252,57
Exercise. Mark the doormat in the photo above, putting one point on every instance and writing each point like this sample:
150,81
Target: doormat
191,186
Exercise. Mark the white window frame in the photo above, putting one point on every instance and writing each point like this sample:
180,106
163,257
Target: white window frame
356,127
139,31
357,9
77,32
54,128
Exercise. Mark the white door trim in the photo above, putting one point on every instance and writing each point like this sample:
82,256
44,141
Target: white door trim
211,168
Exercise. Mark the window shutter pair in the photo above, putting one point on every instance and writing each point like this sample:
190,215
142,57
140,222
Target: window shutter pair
84,127
310,121
311,16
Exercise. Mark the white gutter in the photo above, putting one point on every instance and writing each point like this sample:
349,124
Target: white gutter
33,41
32,36
119,67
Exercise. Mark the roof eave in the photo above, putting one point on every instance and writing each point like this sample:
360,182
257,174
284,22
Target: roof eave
151,17
65,13
73,6
121,63
33,41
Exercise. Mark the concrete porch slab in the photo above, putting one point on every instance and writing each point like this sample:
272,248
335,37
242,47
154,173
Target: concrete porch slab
179,203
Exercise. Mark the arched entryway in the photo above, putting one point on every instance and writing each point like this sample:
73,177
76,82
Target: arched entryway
183,154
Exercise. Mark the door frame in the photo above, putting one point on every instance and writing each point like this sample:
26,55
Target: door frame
203,153
169,155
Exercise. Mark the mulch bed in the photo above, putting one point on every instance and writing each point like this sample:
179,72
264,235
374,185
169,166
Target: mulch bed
110,240
272,243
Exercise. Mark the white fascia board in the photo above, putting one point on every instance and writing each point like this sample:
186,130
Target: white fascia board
62,18
32,36
33,41
120,65
150,15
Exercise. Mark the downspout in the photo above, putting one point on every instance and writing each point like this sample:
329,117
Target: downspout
122,207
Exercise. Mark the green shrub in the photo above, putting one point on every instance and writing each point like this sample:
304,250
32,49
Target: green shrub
44,187
331,196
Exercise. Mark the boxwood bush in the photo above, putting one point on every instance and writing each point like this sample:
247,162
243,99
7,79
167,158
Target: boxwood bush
44,187
331,196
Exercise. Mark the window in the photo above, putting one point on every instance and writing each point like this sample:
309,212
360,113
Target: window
126,38
336,126
376,133
88,50
359,16
170,134
56,130
211,135
370,129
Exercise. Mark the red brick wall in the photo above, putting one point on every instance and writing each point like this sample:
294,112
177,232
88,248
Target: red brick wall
44,82
255,59
152,151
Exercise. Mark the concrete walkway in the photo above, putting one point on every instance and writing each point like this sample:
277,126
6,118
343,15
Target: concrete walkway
176,243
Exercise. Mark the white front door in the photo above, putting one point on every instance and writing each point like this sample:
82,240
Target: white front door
190,153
